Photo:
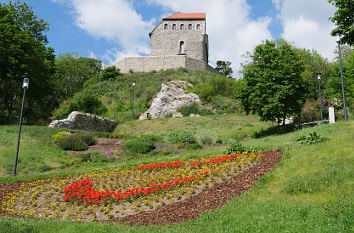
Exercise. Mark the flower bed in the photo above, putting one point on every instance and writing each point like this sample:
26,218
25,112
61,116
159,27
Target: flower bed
120,192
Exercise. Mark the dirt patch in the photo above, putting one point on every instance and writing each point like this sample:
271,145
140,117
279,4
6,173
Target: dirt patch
193,206
103,145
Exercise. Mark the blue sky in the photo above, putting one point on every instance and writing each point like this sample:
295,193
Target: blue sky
112,29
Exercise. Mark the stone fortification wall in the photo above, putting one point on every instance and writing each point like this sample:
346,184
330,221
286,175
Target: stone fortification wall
166,41
146,64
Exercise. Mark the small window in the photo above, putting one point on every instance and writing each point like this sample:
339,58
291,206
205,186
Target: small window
198,26
190,26
181,27
165,26
173,26
181,47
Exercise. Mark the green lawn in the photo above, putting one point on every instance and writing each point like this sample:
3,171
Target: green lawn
309,191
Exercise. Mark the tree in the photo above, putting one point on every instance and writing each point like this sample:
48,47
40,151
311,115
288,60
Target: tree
109,73
333,90
23,51
274,87
344,19
314,63
72,71
224,67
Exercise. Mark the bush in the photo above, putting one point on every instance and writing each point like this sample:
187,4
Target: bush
194,146
179,136
95,156
144,144
225,104
87,137
73,142
186,110
110,73
206,139
235,148
60,136
194,108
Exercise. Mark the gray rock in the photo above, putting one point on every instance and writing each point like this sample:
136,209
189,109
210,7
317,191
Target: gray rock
85,121
177,114
171,97
194,115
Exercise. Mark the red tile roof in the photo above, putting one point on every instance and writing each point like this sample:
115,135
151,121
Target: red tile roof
180,15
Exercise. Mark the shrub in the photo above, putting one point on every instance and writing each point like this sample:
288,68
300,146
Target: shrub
235,148
87,137
186,110
194,108
194,146
73,142
206,139
110,73
143,144
60,136
95,156
179,136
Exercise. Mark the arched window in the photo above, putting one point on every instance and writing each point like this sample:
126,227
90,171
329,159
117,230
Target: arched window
181,27
198,26
181,47
173,26
165,26
190,26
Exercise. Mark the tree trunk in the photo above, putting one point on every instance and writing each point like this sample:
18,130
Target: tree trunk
283,120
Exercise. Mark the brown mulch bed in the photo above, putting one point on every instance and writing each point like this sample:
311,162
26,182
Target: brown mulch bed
192,207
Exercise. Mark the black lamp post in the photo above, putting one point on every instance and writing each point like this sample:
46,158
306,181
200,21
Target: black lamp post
24,86
341,76
133,101
319,89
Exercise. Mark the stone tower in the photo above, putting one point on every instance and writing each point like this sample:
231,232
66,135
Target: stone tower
181,34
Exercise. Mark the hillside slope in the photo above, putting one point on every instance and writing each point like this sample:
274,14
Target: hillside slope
116,94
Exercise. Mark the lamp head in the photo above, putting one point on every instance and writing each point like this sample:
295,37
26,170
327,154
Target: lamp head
319,76
25,83
133,83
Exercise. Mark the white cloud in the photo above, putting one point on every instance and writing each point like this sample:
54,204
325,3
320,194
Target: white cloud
306,24
230,29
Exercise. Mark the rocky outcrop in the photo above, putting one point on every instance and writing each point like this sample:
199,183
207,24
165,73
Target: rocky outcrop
85,121
171,97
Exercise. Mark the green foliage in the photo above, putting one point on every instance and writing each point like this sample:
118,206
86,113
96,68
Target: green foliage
225,104
344,19
235,148
311,139
74,142
20,226
60,136
194,146
95,157
23,51
78,142
139,146
72,71
194,108
182,137
83,102
206,139
109,73
224,67
274,86
143,144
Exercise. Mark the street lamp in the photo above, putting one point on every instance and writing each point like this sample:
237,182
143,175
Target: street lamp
341,76
24,86
319,89
133,101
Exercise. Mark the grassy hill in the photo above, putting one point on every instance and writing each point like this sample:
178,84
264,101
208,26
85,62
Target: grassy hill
116,94
309,191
